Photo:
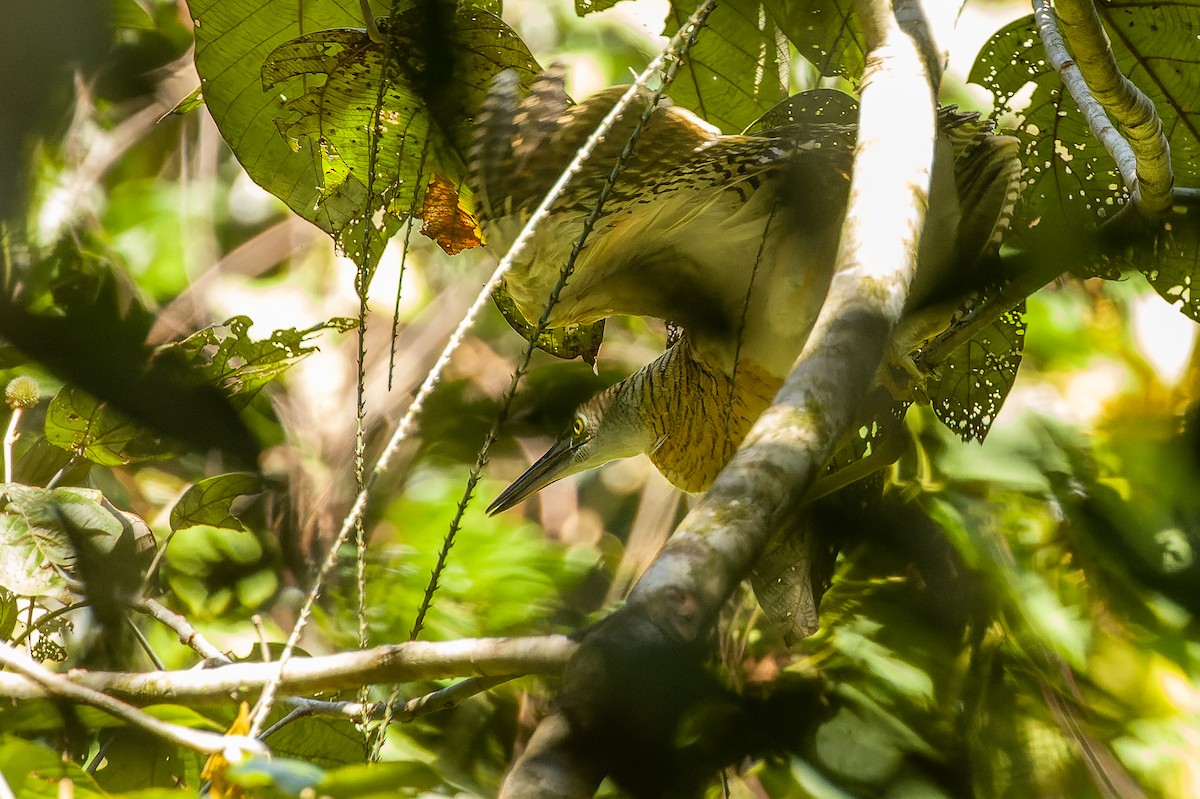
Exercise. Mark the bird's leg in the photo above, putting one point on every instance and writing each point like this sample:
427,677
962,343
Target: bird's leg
900,373
889,443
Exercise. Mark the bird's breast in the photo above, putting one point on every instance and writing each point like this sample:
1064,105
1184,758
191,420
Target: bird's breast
705,420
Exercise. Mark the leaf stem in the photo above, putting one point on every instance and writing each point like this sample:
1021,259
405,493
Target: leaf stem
10,438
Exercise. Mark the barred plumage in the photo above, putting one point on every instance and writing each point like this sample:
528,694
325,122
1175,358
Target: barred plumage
733,238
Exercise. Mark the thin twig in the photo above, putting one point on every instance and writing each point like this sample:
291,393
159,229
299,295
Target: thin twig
145,645
56,685
424,705
189,636
10,438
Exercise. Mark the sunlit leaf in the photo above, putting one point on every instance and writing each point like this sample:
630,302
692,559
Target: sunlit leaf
1071,180
445,219
738,67
294,88
226,356
34,549
826,32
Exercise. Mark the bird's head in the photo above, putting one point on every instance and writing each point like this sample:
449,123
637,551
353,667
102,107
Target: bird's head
607,427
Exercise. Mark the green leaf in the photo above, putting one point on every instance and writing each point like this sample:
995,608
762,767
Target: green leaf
217,570
976,378
35,551
584,7
1071,180
307,71
226,356
826,32
325,742
812,106
189,103
1169,256
401,778
136,760
81,424
738,67
8,613
210,501
289,776
35,771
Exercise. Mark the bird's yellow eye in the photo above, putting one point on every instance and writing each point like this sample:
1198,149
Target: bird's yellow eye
578,426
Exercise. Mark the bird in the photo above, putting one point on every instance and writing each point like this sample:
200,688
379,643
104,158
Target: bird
732,238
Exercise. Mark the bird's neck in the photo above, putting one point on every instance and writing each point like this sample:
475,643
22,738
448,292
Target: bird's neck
699,414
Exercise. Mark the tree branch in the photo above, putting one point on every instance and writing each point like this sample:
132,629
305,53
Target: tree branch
48,683
1097,85
481,657
189,636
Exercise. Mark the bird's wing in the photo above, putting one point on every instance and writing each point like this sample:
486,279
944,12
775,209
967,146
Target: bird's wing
681,173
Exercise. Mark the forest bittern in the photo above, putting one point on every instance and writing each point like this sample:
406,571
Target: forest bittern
731,238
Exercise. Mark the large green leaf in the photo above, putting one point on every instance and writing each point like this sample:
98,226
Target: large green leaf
294,89
825,32
83,425
220,357
1071,180
738,66
233,40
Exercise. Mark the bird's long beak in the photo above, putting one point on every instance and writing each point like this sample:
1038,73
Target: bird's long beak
544,471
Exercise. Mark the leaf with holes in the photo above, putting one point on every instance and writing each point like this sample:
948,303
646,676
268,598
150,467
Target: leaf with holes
225,355
816,105
435,85
81,424
976,378
293,88
1071,180
1169,255
738,67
